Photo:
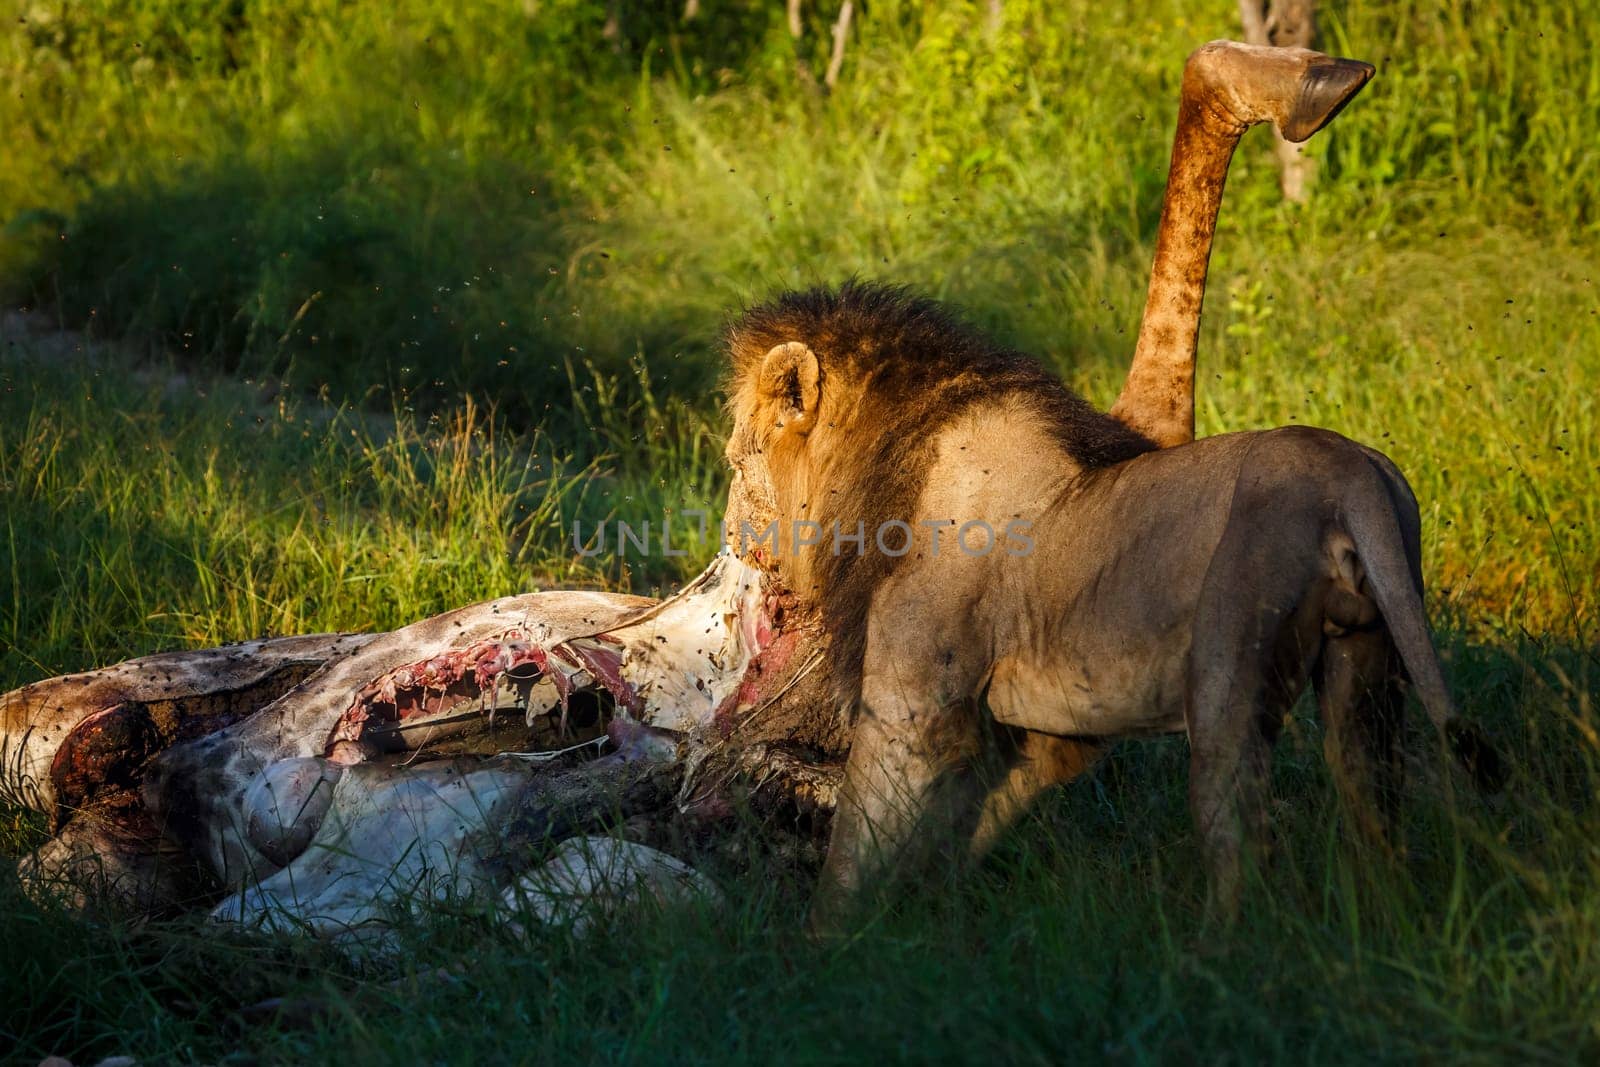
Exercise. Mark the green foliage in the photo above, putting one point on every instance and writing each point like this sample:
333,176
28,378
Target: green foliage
414,204
431,199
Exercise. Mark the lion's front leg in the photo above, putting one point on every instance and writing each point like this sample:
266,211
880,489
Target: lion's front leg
904,785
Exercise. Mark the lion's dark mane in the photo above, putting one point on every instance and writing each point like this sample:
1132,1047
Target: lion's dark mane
917,367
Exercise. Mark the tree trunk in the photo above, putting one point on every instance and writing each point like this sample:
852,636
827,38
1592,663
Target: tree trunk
994,16
841,30
1285,24
612,30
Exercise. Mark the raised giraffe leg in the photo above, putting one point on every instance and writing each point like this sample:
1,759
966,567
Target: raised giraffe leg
1227,88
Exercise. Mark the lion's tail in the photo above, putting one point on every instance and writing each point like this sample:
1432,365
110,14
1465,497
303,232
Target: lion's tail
1394,576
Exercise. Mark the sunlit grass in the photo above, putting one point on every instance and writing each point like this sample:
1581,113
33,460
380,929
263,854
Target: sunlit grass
168,510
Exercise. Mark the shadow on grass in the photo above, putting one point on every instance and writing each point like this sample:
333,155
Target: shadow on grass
341,275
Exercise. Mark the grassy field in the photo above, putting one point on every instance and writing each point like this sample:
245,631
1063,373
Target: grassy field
324,316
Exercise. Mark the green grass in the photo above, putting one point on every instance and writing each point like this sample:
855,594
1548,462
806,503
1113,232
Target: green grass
273,514
423,198
292,239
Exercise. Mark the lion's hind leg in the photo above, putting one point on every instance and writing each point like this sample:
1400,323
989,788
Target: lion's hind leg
1232,730
1361,693
1247,665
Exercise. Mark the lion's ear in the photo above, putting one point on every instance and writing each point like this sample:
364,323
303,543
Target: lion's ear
791,375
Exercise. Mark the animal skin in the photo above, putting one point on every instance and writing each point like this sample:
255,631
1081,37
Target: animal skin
330,783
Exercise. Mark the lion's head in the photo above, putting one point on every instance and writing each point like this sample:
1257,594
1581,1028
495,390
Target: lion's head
836,398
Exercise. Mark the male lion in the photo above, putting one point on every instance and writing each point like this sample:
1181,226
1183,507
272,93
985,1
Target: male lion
1134,591
1113,589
